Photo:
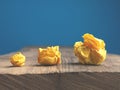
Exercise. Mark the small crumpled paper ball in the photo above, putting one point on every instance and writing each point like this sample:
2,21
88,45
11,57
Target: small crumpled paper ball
49,56
91,51
17,59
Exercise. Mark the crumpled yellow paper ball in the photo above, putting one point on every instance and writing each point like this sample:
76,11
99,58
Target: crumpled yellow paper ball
17,59
91,51
49,55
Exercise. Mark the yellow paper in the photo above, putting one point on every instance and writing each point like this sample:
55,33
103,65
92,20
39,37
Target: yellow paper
91,51
17,59
49,55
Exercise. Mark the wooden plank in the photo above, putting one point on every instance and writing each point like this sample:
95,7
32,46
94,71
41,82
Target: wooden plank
69,64
70,75
62,81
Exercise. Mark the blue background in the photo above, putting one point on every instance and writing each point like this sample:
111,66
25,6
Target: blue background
58,22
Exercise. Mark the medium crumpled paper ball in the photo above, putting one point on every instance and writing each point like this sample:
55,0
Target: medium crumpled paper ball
91,51
17,59
49,55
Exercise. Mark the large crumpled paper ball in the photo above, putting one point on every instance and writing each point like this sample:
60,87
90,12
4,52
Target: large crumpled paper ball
91,51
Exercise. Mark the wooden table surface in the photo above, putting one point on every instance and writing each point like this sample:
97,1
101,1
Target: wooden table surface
70,75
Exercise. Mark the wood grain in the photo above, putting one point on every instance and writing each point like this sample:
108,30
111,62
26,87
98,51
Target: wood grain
70,75
69,64
62,81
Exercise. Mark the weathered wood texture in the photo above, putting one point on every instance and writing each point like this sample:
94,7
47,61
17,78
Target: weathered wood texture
70,75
